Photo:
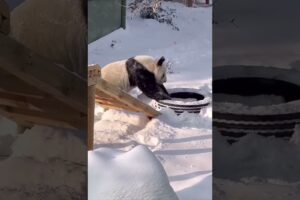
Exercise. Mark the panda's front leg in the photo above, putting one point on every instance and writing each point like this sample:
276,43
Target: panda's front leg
162,94
164,90
154,91
146,82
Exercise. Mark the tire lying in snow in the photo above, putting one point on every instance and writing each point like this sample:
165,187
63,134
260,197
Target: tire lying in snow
256,99
183,99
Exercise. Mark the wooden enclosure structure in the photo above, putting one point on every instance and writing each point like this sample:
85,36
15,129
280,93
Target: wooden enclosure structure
34,90
110,96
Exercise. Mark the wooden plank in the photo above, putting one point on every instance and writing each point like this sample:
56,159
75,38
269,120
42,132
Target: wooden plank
4,17
94,74
189,3
38,102
42,121
91,114
101,101
116,103
20,97
118,106
13,103
12,84
52,119
42,74
125,98
104,98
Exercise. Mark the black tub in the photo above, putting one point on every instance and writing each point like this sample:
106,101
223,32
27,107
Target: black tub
236,120
193,104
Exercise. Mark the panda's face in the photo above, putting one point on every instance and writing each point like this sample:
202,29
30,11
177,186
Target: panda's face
156,66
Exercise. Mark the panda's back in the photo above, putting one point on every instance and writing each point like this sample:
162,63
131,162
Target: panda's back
116,74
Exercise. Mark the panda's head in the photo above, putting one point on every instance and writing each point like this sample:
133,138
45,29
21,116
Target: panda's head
156,66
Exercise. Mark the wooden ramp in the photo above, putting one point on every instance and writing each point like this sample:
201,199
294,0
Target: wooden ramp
34,90
110,96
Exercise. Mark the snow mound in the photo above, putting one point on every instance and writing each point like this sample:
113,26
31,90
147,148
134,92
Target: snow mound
43,143
46,163
133,118
251,189
258,156
8,127
135,174
118,126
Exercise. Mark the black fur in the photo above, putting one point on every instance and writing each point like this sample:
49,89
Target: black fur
139,76
130,70
161,61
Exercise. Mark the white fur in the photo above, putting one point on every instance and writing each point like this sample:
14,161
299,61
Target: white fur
116,73
151,64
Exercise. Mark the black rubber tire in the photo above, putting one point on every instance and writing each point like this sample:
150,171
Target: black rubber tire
178,109
237,125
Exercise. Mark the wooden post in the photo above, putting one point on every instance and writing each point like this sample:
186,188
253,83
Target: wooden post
123,14
4,17
94,75
91,113
189,3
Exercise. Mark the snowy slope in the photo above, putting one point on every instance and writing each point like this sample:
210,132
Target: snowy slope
266,35
136,174
182,144
42,163
189,50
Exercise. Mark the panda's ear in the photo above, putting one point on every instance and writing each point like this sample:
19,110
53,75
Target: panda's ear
161,61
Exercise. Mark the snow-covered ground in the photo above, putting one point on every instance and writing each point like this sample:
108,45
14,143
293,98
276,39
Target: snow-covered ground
264,33
182,144
41,163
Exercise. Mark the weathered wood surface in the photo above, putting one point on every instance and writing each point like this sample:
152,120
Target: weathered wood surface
34,90
4,17
130,103
45,76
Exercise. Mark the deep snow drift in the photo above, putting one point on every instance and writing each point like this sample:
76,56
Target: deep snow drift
182,144
136,174
257,167
41,163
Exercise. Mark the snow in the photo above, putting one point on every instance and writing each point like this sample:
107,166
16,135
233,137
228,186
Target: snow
271,158
135,174
41,163
182,144
257,167
254,189
263,36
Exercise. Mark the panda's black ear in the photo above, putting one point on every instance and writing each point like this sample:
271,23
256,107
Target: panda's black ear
161,61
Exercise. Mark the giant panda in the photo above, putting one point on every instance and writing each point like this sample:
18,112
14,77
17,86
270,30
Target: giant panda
144,72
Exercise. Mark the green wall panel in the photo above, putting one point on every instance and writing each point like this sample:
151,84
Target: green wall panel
105,16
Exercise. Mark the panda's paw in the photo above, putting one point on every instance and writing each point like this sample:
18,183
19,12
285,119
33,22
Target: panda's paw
162,96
